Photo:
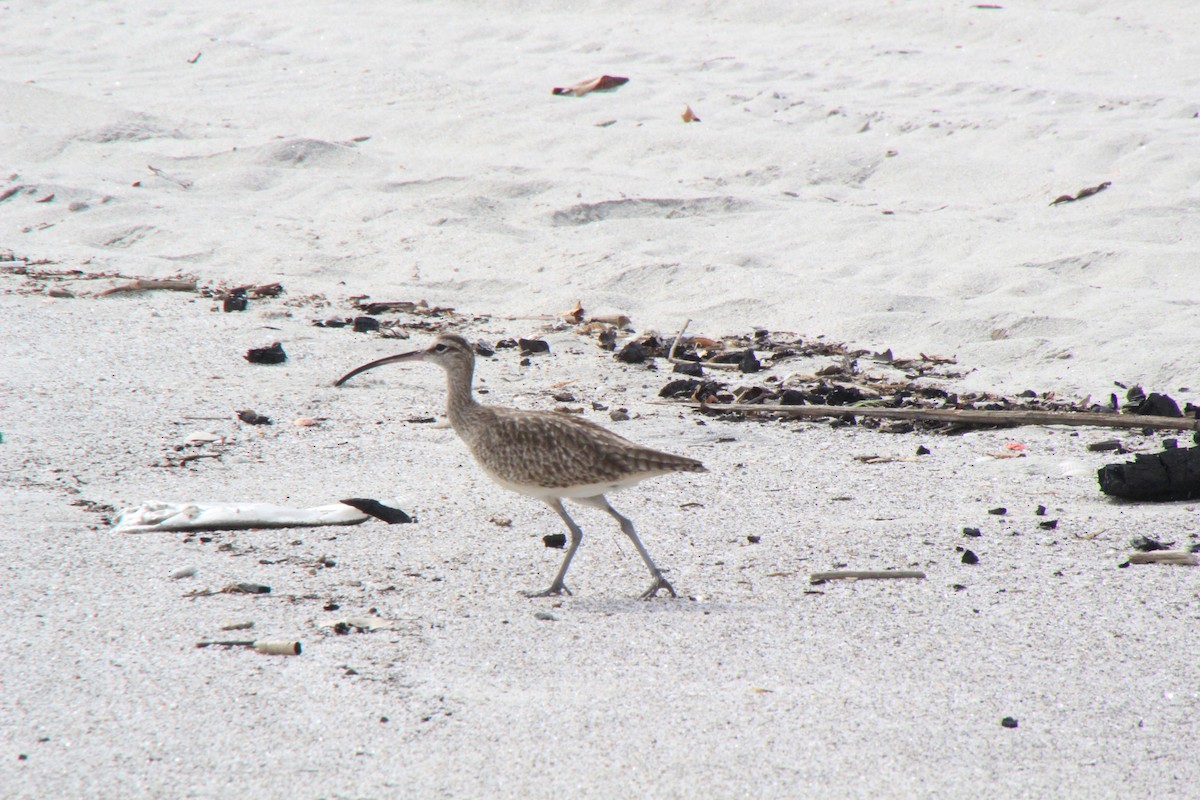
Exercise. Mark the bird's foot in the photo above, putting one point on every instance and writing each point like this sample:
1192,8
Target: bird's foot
659,583
557,588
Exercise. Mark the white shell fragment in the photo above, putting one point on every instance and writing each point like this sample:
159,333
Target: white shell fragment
204,437
153,516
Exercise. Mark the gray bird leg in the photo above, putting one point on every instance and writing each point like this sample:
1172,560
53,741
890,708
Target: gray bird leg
627,528
559,587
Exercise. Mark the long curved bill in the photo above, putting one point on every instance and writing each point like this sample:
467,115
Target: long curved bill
415,355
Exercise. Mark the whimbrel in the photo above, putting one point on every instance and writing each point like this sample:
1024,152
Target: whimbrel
544,454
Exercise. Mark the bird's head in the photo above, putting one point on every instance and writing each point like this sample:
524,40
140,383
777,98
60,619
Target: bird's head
449,351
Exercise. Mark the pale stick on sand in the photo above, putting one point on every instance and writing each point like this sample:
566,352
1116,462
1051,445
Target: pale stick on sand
962,416
860,575
1180,557
544,454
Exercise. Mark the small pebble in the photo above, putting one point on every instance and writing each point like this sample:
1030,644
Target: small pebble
923,450
969,557
998,512
365,324
186,572
555,541
1009,722
752,539
1040,511
618,415
1048,524
544,615
305,422
975,532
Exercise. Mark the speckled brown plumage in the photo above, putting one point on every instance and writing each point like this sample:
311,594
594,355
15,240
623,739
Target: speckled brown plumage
544,454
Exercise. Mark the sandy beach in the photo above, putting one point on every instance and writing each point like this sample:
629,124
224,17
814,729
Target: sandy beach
880,175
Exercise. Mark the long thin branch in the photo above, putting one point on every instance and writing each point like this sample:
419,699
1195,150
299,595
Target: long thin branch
1011,418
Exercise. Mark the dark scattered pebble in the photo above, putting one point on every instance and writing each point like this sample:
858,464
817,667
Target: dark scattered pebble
923,450
483,350
365,324
252,417
392,516
1009,722
507,344
330,606
998,512
689,368
248,587
633,353
958,587
524,362
599,406
975,532
969,557
1146,545
749,362
555,541
531,347
266,355
1048,524
752,539
1106,445
1170,444
1040,511
421,420
564,397
332,322
619,414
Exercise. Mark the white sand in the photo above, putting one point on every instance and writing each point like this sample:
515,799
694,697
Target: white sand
478,189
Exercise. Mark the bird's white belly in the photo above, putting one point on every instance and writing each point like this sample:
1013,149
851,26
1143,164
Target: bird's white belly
578,490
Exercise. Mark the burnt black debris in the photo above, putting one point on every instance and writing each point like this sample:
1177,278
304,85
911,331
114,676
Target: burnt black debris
365,324
973,532
1158,405
267,355
531,347
252,417
235,300
1172,474
555,541
633,353
1147,545
481,349
969,557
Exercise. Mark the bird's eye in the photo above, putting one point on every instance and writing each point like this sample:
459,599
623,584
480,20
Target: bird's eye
440,348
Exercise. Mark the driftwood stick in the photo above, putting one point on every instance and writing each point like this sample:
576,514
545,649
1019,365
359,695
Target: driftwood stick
710,364
148,284
962,416
864,574
1181,557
